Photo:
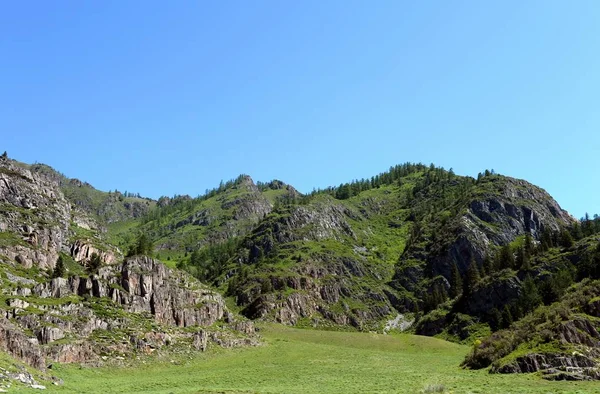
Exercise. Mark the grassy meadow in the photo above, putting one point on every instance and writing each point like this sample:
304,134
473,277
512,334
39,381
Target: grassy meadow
309,361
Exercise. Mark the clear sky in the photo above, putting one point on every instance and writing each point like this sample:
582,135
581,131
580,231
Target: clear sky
166,98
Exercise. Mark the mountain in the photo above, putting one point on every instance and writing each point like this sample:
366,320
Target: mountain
416,248
69,295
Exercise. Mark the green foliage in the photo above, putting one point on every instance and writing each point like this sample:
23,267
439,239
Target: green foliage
266,286
589,266
538,330
507,318
504,259
530,296
142,246
554,287
566,239
524,254
209,262
437,296
456,282
59,268
393,175
471,279
94,264
8,239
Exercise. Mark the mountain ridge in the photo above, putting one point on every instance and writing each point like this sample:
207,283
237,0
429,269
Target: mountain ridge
417,244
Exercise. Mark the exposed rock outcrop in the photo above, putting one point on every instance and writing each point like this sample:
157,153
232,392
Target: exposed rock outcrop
555,366
36,212
141,299
564,343
82,251
19,345
504,209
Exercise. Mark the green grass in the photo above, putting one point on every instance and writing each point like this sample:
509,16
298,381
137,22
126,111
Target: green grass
8,239
310,361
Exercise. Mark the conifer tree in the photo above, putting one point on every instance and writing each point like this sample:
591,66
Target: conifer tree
505,258
471,278
530,296
456,282
507,318
59,268
495,319
566,240
488,265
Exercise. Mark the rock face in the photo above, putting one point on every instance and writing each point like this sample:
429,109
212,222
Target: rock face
356,255
167,295
36,214
494,293
119,298
82,251
554,366
498,210
142,284
138,305
39,222
494,212
505,209
325,286
19,345
567,342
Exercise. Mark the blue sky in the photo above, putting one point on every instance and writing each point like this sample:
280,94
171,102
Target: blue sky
166,98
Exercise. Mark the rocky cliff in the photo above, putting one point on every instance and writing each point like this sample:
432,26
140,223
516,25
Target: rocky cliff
326,269
85,313
138,306
561,341
494,211
36,217
359,260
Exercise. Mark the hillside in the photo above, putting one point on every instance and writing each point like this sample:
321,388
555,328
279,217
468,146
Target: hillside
416,248
68,295
352,255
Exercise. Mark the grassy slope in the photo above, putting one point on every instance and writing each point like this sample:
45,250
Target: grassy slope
161,224
308,361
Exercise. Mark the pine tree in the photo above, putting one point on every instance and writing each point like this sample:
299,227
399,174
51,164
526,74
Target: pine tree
520,259
488,265
507,318
576,231
530,296
471,279
529,245
505,258
495,319
142,246
545,240
59,268
456,282
566,240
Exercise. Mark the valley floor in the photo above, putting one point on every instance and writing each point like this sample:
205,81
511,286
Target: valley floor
309,361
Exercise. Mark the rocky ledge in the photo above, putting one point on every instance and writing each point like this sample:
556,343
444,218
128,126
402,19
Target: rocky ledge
138,306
